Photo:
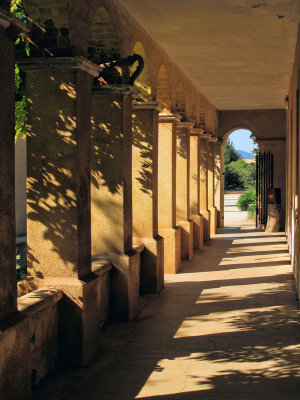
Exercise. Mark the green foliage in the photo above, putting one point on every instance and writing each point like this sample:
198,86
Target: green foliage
246,199
252,210
20,106
20,99
16,8
247,202
230,153
239,175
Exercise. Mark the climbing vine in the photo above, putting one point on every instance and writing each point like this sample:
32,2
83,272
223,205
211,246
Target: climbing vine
17,10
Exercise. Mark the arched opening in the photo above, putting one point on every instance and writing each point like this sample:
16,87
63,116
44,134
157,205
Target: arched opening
240,175
163,88
103,45
143,82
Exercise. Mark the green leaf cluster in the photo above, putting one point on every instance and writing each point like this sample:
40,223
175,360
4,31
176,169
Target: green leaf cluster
247,202
20,99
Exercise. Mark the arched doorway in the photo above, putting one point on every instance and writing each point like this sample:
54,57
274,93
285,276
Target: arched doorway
240,173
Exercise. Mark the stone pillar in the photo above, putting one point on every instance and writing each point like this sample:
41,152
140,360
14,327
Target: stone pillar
58,197
183,189
194,189
218,182
203,189
167,192
111,195
211,187
15,368
145,195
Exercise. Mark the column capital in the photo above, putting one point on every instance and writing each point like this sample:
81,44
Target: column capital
54,63
185,125
11,24
165,117
196,131
115,89
148,105
213,139
205,136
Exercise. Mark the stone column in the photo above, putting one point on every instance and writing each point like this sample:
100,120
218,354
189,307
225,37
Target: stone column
58,197
167,192
203,188
15,368
111,195
183,188
145,194
211,187
194,189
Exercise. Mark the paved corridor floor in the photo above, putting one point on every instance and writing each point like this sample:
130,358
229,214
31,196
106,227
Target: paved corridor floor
226,327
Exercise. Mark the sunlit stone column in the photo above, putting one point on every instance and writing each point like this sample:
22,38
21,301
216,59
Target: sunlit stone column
145,194
194,189
211,186
218,181
183,188
203,188
167,192
111,195
15,368
58,197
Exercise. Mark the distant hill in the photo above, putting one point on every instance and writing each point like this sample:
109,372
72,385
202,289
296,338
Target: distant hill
245,154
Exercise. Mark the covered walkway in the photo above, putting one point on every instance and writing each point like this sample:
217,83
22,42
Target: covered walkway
227,326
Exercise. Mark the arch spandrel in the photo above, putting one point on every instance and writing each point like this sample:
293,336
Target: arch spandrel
163,88
180,102
103,44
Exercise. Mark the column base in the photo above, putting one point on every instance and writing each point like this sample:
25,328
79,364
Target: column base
152,265
125,285
213,220
172,249
187,237
82,313
206,225
15,365
198,231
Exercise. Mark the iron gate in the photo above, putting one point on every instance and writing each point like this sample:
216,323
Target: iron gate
264,181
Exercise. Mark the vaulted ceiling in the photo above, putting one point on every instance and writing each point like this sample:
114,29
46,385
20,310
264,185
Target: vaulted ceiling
238,53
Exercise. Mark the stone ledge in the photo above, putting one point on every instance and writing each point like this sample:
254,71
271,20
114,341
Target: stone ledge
38,300
100,266
76,63
8,21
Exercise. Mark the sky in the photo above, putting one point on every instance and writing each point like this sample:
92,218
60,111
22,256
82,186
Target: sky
241,140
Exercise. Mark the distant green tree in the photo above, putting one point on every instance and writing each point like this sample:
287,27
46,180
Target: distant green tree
230,153
239,175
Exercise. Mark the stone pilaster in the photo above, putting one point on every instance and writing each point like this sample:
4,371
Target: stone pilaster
111,194
194,188
145,194
211,186
167,192
58,197
15,366
183,188
219,182
203,188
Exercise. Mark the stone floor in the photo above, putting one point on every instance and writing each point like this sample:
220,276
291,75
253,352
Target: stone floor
226,327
